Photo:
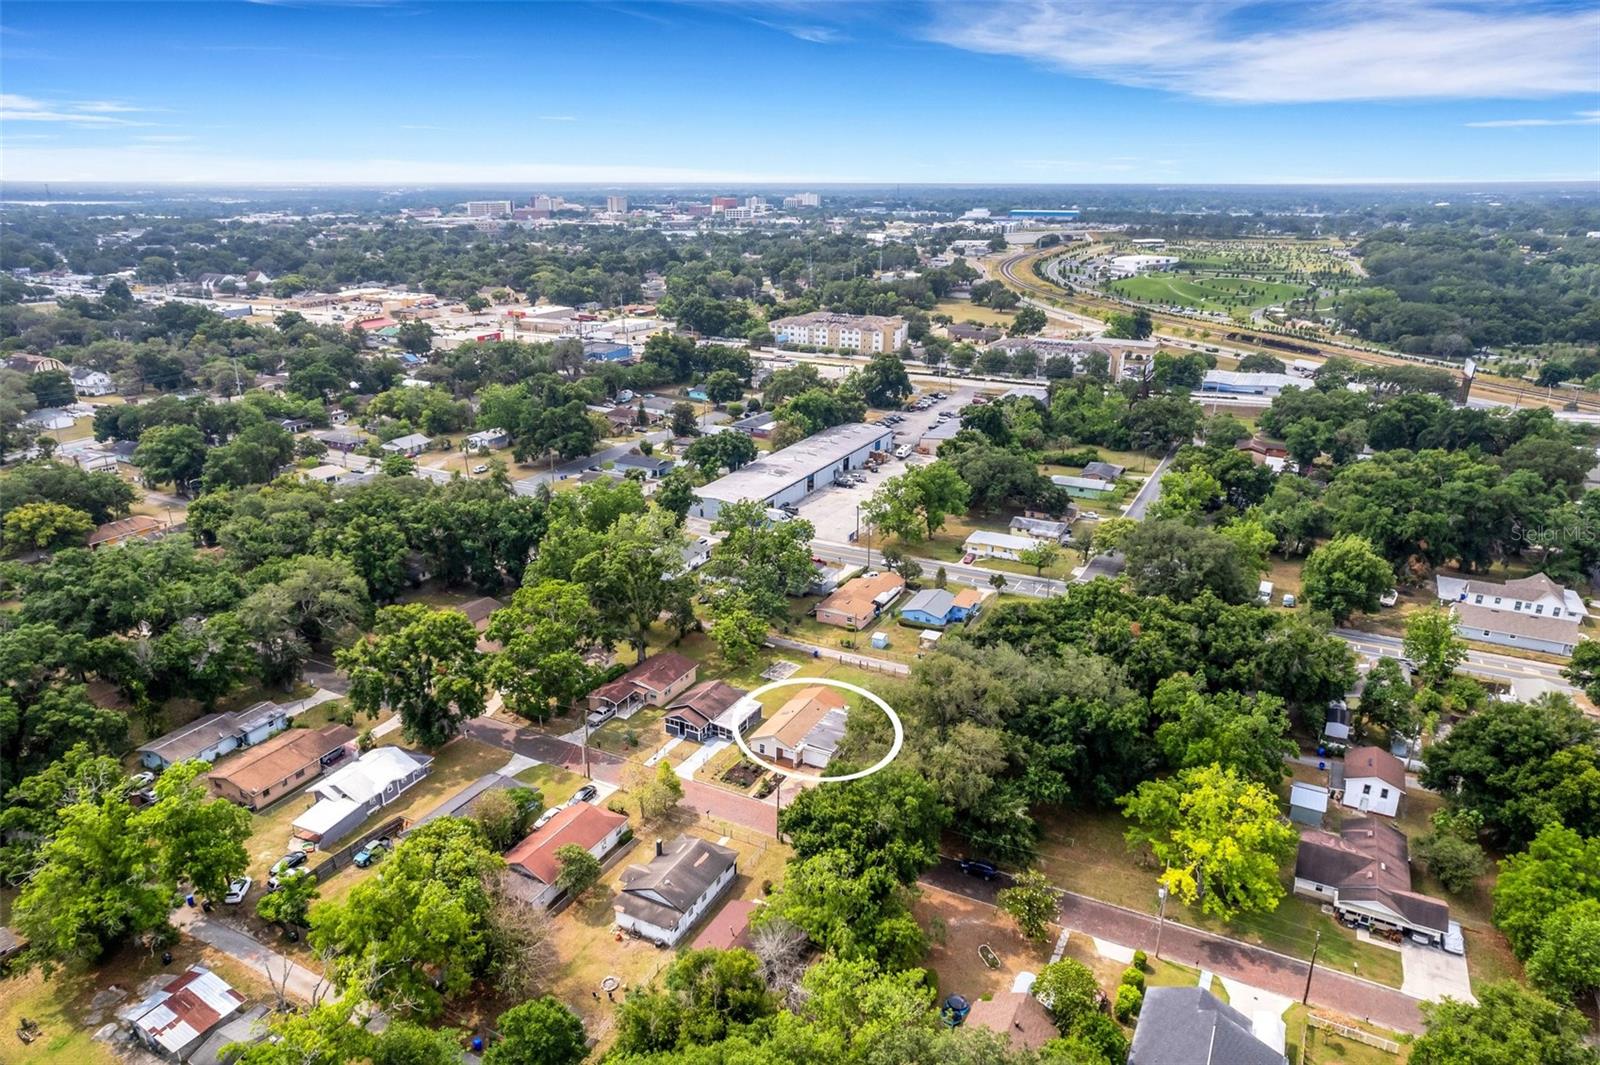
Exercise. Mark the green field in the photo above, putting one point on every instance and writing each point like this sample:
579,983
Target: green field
1206,293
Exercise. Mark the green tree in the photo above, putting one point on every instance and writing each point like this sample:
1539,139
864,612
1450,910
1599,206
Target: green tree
722,386
544,634
1566,963
683,420
541,1032
1510,1025
110,871
415,337
1181,562
1560,868
580,870
45,525
850,911
422,663
1219,836
675,494
1068,989
884,381
767,562
915,504
1041,555
738,630
1028,320
291,903
419,933
1344,576
1030,901
1432,644
1583,669
894,817
1245,733
171,454
636,574
1451,851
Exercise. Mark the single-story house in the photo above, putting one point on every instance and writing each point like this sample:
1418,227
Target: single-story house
464,802
987,544
1109,472
116,533
412,444
87,382
174,1021
1082,487
979,336
1308,804
214,735
348,795
696,554
294,425
596,830
1016,1015
651,683
1337,727
1374,781
1041,529
488,440
1191,1026
335,475
1266,451
757,425
662,900
1364,873
1533,612
937,607
652,467
267,772
346,440
478,612
621,417
806,730
711,710
858,602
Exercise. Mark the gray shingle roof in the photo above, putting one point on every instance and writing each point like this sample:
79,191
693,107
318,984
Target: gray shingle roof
1188,1026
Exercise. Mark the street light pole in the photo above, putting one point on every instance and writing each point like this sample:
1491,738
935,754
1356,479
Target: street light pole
1161,921
1311,968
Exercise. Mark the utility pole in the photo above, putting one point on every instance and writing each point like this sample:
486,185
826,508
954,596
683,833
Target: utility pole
1161,921
586,745
1311,968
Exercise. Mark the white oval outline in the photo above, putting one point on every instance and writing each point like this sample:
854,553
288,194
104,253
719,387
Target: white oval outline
788,682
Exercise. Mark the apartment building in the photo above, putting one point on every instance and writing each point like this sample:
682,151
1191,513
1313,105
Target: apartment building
488,208
616,205
850,332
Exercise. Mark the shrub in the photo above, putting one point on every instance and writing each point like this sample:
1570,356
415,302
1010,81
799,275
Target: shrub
1101,1033
1133,976
1141,960
1129,1000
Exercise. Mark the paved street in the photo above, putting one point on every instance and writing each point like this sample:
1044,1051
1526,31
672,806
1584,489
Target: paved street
300,983
1256,966
1507,668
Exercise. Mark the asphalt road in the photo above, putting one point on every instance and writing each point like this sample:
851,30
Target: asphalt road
1479,663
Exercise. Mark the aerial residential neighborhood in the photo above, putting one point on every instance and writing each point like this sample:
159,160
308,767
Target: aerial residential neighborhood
800,534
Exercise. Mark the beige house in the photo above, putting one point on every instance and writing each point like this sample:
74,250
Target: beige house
858,603
806,730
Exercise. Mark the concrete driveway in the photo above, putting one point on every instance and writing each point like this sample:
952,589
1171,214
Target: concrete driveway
1431,973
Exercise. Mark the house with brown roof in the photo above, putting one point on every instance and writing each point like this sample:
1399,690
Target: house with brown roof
267,772
115,533
1364,873
1374,781
1017,1015
806,730
661,901
174,1021
650,683
858,602
711,710
596,830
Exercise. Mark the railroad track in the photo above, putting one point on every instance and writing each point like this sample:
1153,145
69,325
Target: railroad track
1017,271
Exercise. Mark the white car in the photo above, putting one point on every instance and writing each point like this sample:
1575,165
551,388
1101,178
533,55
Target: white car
544,818
1389,598
1453,941
237,890
482,467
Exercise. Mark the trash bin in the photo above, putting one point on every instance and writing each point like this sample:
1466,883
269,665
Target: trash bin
189,899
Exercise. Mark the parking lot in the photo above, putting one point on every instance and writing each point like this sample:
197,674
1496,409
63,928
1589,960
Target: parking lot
832,510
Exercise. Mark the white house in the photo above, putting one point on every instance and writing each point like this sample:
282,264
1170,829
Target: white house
214,735
87,382
662,900
347,796
596,830
998,545
412,444
488,440
1533,612
1374,781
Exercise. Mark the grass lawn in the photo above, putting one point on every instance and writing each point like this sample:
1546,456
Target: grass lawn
966,310
1084,851
1323,1047
640,733
1206,292
67,1016
555,784
902,639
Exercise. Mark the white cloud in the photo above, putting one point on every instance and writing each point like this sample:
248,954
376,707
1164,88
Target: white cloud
1579,118
17,108
1249,52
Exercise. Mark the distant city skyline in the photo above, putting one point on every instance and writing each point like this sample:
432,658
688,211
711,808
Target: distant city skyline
800,94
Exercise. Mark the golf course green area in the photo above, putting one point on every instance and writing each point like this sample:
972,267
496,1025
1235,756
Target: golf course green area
1206,293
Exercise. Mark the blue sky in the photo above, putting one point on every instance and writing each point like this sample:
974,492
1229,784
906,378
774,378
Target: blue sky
406,93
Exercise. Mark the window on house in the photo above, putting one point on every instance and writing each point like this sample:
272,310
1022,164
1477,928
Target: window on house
1384,794
1479,599
1366,789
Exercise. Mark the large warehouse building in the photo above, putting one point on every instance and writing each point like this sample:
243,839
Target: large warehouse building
789,475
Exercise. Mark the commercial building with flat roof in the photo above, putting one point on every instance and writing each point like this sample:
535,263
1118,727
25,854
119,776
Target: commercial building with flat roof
791,474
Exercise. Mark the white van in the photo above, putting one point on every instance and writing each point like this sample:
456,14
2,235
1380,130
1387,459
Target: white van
1264,592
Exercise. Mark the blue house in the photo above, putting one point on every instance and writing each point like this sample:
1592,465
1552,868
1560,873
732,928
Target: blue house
936,608
215,735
